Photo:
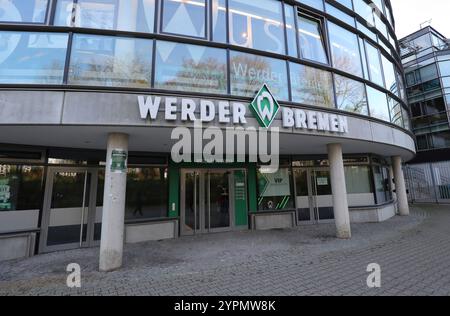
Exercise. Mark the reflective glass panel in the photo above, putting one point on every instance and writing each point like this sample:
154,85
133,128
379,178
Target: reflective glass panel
110,61
378,104
124,15
312,46
21,11
345,50
32,57
147,193
184,17
186,67
373,59
311,86
249,72
257,24
350,95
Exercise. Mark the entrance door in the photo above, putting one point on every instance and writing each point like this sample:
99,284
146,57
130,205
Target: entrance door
69,209
206,201
313,195
322,197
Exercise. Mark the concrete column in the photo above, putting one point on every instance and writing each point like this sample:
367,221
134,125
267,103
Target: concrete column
400,186
113,220
338,186
392,184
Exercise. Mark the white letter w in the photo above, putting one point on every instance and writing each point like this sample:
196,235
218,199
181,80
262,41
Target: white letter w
147,106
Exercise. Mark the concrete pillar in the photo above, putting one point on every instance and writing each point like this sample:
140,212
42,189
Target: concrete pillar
113,220
338,186
400,186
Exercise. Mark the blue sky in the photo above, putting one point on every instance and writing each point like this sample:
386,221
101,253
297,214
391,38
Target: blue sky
409,14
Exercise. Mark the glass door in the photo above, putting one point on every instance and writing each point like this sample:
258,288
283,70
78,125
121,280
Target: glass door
206,201
69,209
322,197
190,215
217,211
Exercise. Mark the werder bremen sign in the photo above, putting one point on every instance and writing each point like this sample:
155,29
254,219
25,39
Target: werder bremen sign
265,107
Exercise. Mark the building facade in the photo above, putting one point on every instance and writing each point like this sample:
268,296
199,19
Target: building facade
91,91
426,59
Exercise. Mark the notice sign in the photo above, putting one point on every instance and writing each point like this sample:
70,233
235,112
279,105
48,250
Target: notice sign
322,181
119,161
5,194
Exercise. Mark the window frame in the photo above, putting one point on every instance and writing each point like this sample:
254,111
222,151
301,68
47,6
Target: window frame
160,15
323,36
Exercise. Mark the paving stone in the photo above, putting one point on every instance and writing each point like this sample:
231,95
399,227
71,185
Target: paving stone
413,252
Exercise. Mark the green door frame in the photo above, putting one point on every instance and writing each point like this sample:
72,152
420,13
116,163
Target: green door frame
174,175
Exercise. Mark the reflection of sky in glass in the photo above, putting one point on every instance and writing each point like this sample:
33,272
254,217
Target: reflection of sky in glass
32,57
257,25
23,11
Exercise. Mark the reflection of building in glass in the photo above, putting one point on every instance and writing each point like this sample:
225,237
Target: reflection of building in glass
78,76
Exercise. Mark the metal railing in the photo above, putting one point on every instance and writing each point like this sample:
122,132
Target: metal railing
428,182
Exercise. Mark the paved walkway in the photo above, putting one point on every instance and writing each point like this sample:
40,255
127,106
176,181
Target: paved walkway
413,252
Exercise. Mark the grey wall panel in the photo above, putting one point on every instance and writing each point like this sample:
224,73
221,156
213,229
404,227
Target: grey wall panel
30,107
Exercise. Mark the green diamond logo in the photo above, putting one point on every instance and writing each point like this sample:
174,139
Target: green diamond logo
265,107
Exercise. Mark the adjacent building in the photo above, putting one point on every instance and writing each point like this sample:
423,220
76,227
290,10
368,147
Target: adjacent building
426,60
91,91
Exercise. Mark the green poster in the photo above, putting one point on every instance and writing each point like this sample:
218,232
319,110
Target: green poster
5,194
119,161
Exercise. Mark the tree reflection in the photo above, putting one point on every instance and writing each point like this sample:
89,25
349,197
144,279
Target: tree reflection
111,71
312,86
350,95
209,75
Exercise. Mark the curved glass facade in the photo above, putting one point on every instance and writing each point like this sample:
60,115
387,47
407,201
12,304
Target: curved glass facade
338,54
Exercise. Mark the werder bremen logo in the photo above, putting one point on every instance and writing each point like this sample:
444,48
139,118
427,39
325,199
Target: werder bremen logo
265,107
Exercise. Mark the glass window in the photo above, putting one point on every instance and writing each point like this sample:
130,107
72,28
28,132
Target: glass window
359,186
184,17
350,95
110,61
249,72
342,16
302,198
311,86
345,50
257,24
312,46
429,72
20,11
363,58
382,184
290,30
396,112
186,67
389,75
373,58
378,104
30,58
147,193
123,15
364,10
316,4
219,20
441,139
20,187
445,68
275,190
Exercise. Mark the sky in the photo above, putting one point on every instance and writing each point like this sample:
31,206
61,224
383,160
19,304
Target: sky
409,14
